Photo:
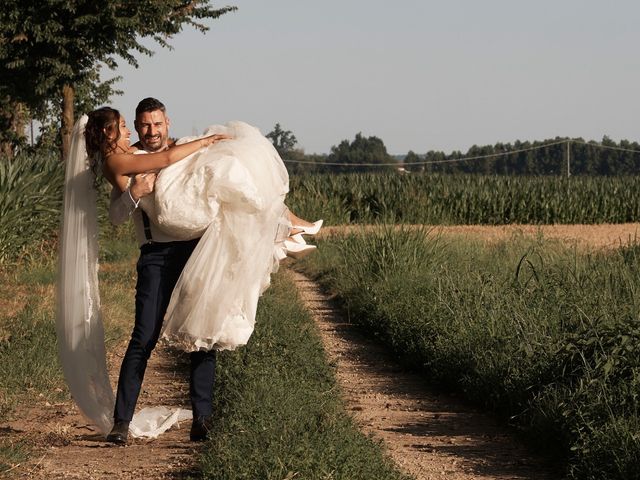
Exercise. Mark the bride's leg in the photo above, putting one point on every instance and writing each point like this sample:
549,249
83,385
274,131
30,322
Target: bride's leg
301,226
297,222
294,244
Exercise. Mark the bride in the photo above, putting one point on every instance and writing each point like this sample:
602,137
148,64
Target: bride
230,192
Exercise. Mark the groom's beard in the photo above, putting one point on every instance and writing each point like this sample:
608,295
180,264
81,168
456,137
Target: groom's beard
154,144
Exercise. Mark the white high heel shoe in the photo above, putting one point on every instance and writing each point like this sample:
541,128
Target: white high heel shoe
310,230
298,250
297,238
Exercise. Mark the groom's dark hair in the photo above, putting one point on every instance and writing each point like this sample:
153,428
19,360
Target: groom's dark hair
150,104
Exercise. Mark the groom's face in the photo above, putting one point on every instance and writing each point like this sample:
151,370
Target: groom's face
153,130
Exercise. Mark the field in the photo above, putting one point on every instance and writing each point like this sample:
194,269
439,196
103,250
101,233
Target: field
31,198
544,334
531,320
465,199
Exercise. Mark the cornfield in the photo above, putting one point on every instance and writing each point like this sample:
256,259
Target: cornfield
30,202
464,199
31,196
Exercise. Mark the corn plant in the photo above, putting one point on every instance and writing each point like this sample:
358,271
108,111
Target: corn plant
464,199
30,202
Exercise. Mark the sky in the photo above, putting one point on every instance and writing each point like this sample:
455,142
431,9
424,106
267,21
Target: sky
419,74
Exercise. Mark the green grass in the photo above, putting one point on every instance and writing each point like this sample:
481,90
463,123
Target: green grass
28,352
30,372
12,454
28,345
29,369
278,411
28,358
547,337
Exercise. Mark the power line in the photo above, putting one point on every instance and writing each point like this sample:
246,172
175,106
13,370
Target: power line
491,155
463,159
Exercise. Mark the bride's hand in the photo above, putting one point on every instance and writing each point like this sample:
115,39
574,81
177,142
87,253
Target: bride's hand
206,141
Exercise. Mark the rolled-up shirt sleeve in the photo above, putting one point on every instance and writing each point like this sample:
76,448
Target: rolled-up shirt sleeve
121,207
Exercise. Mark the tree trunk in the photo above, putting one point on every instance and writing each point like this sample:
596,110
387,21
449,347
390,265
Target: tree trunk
6,150
13,121
68,95
19,123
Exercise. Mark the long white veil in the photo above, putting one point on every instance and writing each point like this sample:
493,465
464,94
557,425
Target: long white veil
78,321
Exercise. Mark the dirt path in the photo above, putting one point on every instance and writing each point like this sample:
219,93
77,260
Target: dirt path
428,434
68,448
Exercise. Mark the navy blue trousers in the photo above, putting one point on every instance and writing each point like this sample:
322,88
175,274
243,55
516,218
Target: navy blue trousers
159,267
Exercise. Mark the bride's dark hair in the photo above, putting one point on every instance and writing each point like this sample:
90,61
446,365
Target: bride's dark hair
101,135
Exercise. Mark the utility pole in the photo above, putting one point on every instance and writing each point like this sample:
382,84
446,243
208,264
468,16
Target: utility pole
568,155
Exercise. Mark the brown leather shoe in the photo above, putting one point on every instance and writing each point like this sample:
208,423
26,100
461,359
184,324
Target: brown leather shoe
200,427
119,433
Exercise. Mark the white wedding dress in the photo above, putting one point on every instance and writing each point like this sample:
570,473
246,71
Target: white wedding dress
232,194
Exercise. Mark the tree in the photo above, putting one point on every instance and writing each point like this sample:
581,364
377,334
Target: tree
284,141
88,95
363,150
412,162
49,48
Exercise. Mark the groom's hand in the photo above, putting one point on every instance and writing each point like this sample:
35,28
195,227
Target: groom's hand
142,185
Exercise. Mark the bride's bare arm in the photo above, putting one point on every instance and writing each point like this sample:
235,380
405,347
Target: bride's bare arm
129,164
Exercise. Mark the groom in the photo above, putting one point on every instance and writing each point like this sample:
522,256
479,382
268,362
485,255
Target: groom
161,261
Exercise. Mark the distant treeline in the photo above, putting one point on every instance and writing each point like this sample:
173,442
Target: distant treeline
546,157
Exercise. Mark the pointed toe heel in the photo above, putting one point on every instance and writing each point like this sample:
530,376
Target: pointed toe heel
298,250
311,229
